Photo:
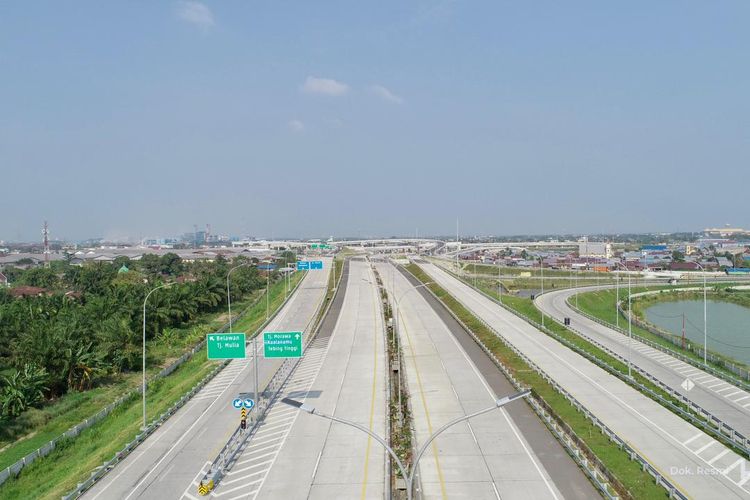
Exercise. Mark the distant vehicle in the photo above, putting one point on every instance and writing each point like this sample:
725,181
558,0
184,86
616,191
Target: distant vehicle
738,270
671,275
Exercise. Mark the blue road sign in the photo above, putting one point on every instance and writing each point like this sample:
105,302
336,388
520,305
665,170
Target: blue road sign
248,403
237,403
303,265
316,264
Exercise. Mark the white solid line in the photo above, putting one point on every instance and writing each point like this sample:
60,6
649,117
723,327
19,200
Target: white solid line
704,447
732,467
317,462
741,399
727,388
244,469
745,406
185,433
224,492
244,478
721,454
693,438
732,393
703,378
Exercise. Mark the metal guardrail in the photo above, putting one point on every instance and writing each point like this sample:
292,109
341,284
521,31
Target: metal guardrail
695,349
602,478
226,457
102,470
727,431
74,431
672,490
712,425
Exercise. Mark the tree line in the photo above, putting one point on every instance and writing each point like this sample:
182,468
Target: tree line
88,325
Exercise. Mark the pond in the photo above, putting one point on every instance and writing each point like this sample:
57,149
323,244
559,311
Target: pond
728,324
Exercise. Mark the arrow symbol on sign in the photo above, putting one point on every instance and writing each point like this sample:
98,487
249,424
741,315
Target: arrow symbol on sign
297,336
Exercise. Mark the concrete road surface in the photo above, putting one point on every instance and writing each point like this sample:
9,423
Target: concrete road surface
724,400
295,455
697,464
485,458
168,462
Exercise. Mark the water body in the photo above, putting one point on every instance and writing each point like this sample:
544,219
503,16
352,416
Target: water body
728,324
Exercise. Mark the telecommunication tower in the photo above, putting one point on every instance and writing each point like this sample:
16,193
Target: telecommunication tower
45,235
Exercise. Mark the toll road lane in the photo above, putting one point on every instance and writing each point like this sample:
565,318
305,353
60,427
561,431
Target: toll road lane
486,457
693,461
171,457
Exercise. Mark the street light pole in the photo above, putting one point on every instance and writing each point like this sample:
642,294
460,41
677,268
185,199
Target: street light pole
409,478
541,271
630,323
705,317
143,388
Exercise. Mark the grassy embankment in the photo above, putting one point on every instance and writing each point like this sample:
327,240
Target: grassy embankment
638,483
72,462
601,304
37,427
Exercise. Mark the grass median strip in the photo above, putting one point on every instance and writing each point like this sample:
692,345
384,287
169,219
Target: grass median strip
638,483
72,462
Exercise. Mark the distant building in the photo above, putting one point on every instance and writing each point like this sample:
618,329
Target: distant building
28,291
725,231
588,248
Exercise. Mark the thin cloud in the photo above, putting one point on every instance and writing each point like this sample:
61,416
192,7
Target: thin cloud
385,94
296,126
196,13
324,86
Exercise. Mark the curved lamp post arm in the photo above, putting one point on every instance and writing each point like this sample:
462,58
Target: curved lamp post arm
313,411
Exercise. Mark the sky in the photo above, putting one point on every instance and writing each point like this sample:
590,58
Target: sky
339,118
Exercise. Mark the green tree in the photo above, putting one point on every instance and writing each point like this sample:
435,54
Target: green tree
678,256
22,389
41,277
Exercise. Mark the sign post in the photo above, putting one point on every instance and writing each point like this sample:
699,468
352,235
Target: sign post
282,344
225,345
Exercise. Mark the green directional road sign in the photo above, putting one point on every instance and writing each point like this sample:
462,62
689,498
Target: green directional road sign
282,344
226,345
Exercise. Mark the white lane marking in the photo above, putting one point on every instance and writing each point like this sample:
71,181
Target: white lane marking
480,302
727,388
741,399
194,482
171,449
317,462
732,394
244,469
245,485
732,467
243,478
703,378
511,424
693,438
721,454
716,384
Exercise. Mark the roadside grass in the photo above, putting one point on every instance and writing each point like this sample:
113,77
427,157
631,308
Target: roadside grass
70,463
36,427
601,304
637,482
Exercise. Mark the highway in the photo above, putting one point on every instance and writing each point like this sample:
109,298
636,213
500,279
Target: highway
696,463
295,455
724,400
170,460
495,455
